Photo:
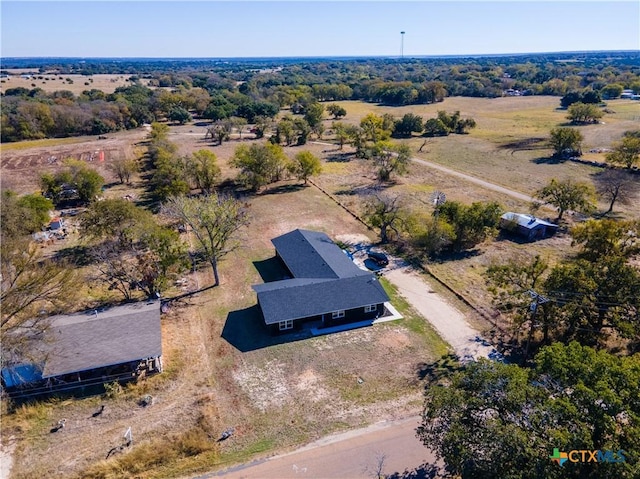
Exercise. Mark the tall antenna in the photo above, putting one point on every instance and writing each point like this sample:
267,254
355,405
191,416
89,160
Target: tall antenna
402,45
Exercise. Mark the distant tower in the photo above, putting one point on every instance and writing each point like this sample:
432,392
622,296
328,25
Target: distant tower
402,45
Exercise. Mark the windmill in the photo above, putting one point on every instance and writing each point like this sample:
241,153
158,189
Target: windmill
402,45
437,198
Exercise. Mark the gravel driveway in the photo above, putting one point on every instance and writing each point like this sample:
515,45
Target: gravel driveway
450,323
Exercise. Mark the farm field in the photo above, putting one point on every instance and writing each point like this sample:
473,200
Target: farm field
74,83
221,370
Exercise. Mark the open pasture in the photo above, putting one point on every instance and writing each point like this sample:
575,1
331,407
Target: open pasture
74,83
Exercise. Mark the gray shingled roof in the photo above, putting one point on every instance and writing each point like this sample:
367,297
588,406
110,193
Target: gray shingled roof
311,254
326,280
293,301
84,341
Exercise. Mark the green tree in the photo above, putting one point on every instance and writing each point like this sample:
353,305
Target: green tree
567,195
213,220
313,114
510,283
340,132
373,128
336,110
435,127
262,125
23,215
409,124
580,113
304,165
202,168
428,234
259,165
594,297
488,419
85,182
607,238
472,224
566,142
612,91
389,159
626,152
179,115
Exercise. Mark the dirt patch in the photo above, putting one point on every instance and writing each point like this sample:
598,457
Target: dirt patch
266,386
395,339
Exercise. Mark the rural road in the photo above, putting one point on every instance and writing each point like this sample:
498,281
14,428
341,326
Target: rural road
350,455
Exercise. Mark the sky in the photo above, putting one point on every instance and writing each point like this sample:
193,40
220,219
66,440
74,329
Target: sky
306,28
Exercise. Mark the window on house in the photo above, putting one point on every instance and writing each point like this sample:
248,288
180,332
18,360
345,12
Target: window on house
370,308
337,314
288,324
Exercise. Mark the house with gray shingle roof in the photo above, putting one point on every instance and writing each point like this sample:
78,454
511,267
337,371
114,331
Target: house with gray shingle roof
325,287
89,348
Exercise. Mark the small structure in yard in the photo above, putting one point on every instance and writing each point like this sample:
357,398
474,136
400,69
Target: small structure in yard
326,288
527,226
88,349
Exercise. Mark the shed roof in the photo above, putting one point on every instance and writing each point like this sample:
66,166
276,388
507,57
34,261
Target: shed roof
527,221
89,340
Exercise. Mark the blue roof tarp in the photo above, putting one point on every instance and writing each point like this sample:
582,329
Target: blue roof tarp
16,376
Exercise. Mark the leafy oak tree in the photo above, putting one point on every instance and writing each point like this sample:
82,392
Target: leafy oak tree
202,167
304,165
581,113
490,419
259,165
627,151
336,110
389,158
567,195
566,142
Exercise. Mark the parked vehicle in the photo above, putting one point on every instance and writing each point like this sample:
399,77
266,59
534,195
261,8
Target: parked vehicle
378,258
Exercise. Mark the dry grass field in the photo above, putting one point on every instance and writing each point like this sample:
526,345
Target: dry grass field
75,83
222,370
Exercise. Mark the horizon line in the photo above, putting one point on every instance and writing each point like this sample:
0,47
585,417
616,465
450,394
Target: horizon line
50,57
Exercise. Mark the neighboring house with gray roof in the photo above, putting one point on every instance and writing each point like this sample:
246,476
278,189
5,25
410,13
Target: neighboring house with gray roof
90,348
527,226
326,287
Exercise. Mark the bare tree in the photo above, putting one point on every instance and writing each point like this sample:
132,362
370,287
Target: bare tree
123,169
383,211
616,185
213,220
29,287
376,470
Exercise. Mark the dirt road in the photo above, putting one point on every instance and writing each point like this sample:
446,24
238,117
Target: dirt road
447,320
354,454
473,179
469,178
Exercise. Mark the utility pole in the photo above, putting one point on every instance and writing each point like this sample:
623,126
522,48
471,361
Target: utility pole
402,45
538,299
